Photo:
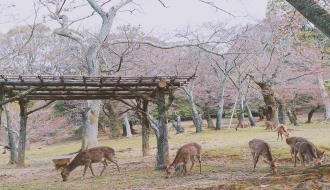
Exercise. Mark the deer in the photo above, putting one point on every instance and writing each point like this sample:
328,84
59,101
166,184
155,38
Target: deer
270,125
293,140
184,154
305,149
243,124
89,156
282,129
259,147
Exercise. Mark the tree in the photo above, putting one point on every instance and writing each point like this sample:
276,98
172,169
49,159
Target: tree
91,50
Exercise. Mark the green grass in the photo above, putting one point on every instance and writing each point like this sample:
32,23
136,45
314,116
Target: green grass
225,153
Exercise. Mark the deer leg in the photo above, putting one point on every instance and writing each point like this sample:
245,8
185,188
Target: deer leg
112,160
85,169
295,157
302,159
255,160
192,163
200,164
104,166
90,167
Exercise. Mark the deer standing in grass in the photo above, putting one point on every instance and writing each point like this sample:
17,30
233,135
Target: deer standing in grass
184,154
89,156
282,130
305,149
270,125
259,147
243,124
293,140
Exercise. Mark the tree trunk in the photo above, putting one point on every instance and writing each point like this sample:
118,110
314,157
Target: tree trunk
314,13
177,127
22,133
2,98
253,124
11,136
86,122
232,113
209,118
162,158
113,118
310,113
292,118
325,99
145,129
268,93
261,111
194,111
127,126
281,111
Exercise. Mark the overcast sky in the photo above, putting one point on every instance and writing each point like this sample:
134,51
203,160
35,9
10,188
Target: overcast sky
152,15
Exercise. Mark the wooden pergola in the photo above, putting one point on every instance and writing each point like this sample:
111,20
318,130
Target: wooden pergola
49,87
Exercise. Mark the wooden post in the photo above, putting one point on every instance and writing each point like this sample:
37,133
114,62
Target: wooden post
61,161
163,157
22,132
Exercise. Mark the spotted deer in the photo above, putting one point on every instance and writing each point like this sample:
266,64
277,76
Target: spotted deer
184,154
243,124
282,130
89,156
259,147
270,125
305,149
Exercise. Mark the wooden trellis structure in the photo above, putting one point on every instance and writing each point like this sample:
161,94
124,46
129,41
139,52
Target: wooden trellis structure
48,87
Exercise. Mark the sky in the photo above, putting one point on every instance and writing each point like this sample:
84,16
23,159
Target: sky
150,14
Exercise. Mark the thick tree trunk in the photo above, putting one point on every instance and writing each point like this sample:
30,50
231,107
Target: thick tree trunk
86,138
325,99
253,124
113,120
281,111
310,113
162,158
268,93
22,133
145,129
314,13
11,136
261,111
208,118
194,111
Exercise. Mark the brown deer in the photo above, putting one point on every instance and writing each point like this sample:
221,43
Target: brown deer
184,154
305,149
89,156
282,129
259,147
293,140
270,125
243,124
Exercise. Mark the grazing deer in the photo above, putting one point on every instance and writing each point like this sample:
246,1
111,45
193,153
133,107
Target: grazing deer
184,154
305,149
270,125
89,156
281,129
302,139
259,147
243,124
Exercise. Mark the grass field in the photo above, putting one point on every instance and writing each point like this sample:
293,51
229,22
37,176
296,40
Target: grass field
226,159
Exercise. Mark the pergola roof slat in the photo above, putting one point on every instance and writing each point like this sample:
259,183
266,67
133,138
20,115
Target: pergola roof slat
71,87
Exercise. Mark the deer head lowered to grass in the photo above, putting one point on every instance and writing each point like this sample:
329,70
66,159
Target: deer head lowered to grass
184,154
259,147
89,156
